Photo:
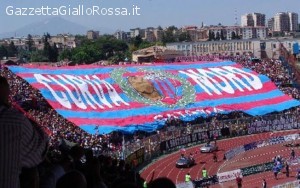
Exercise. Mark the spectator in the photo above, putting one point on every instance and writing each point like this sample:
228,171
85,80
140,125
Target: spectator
239,181
215,157
204,173
22,145
162,183
145,185
264,183
287,169
188,177
298,174
293,154
73,179
107,147
275,171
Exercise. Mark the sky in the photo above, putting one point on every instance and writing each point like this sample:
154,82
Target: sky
152,12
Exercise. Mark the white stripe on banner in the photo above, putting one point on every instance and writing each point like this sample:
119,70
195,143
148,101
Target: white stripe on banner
230,175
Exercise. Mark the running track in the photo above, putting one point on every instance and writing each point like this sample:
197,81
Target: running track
165,167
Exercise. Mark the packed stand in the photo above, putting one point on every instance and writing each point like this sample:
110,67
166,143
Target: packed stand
36,107
107,168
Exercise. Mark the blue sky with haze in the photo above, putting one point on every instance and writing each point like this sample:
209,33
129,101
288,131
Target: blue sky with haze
153,12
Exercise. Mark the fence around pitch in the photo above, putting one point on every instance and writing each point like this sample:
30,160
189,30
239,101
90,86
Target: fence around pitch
197,134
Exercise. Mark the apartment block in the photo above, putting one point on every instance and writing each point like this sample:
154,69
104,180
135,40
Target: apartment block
253,19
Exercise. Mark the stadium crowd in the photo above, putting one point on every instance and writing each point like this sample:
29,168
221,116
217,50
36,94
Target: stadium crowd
109,169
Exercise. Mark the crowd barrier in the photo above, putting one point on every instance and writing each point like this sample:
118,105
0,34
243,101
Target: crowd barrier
231,175
205,182
185,185
275,140
177,137
183,136
154,145
247,171
292,184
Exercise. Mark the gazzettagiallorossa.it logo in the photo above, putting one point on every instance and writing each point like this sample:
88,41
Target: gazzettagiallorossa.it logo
80,10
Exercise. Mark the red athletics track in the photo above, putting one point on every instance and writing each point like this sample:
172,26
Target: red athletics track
165,167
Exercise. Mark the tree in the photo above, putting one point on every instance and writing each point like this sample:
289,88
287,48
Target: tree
145,44
24,55
12,50
117,58
3,52
81,57
270,34
132,48
218,37
38,56
47,47
169,35
46,37
222,35
209,36
184,36
106,47
159,28
137,41
29,43
233,35
47,50
65,54
81,40
53,54
213,36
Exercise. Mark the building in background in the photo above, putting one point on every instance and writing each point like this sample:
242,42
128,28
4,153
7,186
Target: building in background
267,48
238,32
286,22
63,41
253,19
158,34
293,20
149,34
271,24
122,35
136,32
155,54
92,35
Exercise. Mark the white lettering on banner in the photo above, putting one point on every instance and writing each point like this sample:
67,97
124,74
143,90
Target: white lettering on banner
62,100
227,176
114,96
77,101
291,137
206,79
178,141
99,91
79,89
254,82
84,88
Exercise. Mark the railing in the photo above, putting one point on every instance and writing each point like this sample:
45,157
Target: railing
292,184
152,145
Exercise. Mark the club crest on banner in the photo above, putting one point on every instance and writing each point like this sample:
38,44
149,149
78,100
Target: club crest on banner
155,87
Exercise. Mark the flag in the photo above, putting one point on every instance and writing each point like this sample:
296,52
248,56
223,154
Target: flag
142,97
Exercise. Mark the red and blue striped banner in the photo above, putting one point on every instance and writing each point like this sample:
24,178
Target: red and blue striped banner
141,97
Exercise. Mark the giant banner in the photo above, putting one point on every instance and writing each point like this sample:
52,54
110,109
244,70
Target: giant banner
141,97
